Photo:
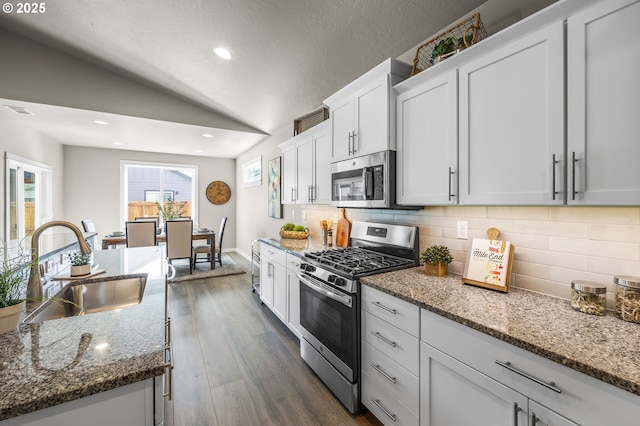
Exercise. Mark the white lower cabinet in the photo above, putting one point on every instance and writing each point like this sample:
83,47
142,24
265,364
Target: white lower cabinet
279,285
293,291
452,393
556,395
127,405
273,279
390,357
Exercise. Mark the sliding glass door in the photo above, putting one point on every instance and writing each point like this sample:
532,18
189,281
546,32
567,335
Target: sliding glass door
147,185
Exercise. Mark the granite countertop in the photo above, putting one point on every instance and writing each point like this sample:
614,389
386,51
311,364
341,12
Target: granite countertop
295,247
52,362
603,347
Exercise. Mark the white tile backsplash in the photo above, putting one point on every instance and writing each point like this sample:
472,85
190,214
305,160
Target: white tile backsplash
553,245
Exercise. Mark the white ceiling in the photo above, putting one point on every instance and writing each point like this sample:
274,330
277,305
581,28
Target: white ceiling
288,55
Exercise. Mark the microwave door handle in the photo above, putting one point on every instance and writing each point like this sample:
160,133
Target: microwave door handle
368,183
345,300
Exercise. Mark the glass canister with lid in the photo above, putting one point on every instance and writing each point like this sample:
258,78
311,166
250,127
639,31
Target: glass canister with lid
589,297
627,298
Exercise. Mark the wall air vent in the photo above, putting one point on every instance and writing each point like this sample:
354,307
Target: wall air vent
18,109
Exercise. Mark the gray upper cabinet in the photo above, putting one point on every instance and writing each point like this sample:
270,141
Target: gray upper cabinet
362,114
603,88
305,167
427,155
511,124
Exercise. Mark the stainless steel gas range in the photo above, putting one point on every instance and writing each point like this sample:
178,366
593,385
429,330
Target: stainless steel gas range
330,300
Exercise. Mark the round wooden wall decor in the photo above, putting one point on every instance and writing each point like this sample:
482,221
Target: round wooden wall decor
218,192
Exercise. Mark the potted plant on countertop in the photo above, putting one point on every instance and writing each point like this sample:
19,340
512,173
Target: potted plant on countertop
80,264
14,273
436,260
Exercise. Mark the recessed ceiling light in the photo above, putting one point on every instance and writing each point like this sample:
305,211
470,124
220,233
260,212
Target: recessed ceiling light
118,143
102,122
223,53
207,135
198,150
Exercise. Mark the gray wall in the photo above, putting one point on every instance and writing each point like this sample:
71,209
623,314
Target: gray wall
25,142
92,187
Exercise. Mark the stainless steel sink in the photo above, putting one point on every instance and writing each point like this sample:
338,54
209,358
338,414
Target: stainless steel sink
91,296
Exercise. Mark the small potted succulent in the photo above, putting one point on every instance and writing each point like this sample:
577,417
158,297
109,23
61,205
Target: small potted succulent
80,264
436,260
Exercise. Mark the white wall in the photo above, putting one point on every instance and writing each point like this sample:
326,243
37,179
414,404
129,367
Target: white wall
27,143
92,187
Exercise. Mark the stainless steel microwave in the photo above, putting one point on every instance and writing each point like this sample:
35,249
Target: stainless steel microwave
365,182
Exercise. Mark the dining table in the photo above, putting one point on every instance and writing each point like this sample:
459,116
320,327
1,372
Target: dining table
111,240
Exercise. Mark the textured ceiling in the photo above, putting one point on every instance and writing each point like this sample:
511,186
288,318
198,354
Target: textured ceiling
287,55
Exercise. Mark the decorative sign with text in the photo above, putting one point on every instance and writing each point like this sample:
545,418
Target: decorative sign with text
489,264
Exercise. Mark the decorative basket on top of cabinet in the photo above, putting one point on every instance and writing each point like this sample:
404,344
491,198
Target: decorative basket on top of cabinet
455,39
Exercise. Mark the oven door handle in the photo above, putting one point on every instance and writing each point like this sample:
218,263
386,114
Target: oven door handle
325,290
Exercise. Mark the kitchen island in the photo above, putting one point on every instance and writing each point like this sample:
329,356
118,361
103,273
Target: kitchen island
61,361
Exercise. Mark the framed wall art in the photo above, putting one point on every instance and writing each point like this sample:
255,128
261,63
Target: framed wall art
274,201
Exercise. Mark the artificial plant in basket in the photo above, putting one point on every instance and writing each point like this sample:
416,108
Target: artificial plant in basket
436,260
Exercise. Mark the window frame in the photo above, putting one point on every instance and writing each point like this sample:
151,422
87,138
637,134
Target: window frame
124,190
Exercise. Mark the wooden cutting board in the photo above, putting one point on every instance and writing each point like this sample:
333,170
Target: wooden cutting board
343,230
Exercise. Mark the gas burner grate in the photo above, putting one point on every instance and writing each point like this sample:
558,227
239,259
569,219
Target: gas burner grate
356,261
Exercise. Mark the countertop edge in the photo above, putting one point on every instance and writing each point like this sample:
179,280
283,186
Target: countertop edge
574,364
96,387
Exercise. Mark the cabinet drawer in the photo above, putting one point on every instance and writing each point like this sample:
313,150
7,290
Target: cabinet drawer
394,343
388,409
581,397
273,254
293,262
398,381
395,311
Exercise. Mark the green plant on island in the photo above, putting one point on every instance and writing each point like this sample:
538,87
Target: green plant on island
436,254
171,209
14,272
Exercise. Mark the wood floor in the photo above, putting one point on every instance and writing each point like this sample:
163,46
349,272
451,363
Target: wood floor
235,363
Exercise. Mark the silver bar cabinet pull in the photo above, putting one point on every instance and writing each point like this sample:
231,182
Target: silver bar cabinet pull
508,366
574,160
451,173
386,376
353,151
532,419
553,176
516,410
350,142
384,339
381,306
384,410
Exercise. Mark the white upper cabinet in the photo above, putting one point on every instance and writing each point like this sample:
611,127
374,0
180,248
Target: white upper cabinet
305,166
603,88
427,154
512,122
361,113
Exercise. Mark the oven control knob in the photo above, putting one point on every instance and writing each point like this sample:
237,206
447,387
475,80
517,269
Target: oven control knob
332,278
340,282
309,268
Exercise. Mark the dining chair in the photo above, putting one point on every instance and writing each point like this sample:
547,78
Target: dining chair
140,234
88,225
179,240
156,219
206,249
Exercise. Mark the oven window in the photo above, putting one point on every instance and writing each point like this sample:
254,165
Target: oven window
331,322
